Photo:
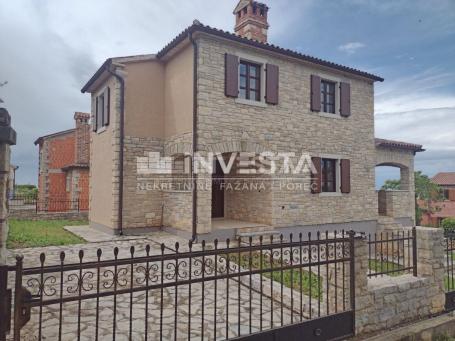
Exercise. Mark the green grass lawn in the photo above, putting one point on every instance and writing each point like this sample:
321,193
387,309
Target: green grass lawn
28,233
377,266
294,278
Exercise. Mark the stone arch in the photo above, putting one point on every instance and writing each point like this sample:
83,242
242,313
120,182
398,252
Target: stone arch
235,147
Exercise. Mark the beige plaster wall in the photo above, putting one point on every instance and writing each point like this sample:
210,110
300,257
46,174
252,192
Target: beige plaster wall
144,99
178,93
103,165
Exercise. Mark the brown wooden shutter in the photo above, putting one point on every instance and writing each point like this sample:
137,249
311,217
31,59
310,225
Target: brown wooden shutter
345,176
345,99
107,105
316,177
272,84
315,93
231,81
95,116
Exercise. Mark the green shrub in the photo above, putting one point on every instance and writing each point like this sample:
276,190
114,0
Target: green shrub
448,224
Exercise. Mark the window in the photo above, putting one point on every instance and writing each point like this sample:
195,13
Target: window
327,96
446,194
101,117
99,111
328,175
250,81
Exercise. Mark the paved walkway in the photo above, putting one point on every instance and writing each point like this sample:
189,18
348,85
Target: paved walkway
212,310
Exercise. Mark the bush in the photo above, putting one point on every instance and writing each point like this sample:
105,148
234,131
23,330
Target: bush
448,224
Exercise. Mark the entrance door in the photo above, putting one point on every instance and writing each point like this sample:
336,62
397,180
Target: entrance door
217,192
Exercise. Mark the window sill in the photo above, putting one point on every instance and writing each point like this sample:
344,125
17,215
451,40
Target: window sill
328,115
330,194
101,130
250,102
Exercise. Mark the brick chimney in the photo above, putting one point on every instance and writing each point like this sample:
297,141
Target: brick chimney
82,145
251,20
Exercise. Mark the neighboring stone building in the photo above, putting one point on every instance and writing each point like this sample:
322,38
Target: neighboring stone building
211,91
439,210
63,179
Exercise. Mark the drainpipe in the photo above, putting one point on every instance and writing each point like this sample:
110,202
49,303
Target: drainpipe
194,144
114,73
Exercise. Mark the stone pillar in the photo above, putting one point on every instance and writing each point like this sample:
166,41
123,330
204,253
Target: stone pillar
7,138
430,264
363,299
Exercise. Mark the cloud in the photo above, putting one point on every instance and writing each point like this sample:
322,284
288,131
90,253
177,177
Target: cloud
432,127
423,90
351,47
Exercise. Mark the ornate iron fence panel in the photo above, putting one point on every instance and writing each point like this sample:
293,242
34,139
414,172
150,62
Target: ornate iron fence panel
264,289
449,280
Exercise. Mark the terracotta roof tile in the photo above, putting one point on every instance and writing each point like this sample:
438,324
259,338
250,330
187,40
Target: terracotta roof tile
398,145
444,178
198,27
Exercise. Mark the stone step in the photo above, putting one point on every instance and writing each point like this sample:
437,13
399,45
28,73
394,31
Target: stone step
257,233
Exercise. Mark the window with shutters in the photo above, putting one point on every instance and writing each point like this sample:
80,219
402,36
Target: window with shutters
329,175
249,81
328,96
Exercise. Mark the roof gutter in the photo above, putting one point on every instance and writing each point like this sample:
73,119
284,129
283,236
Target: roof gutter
194,137
121,80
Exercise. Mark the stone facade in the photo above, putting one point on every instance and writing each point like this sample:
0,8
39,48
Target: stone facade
292,127
395,203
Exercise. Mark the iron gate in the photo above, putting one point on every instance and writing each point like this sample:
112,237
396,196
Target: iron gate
267,289
449,279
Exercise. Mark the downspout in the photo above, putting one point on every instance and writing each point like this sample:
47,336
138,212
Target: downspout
194,143
114,73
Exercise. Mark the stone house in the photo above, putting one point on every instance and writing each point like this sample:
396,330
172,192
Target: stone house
63,178
234,95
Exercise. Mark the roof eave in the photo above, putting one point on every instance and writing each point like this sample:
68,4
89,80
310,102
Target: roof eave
103,68
198,27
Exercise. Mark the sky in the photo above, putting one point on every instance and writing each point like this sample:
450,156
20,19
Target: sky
50,48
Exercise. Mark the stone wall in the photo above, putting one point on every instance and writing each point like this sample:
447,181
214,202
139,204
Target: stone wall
382,303
177,209
142,206
32,215
396,203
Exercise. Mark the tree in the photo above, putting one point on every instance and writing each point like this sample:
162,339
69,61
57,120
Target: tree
391,185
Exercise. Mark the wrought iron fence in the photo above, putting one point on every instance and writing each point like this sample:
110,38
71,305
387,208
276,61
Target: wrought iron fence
392,253
23,201
32,202
449,278
218,291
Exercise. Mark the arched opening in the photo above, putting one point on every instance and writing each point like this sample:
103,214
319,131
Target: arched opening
392,185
